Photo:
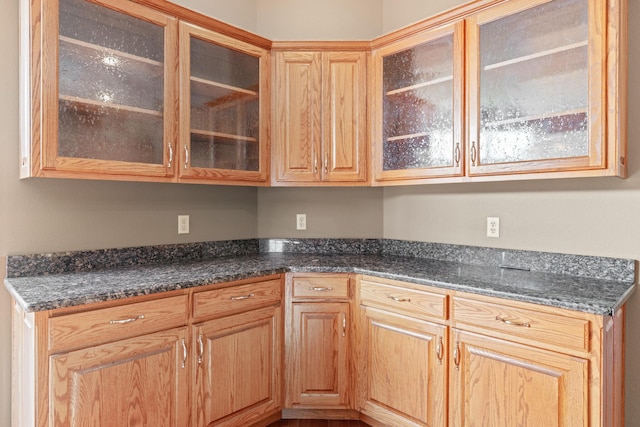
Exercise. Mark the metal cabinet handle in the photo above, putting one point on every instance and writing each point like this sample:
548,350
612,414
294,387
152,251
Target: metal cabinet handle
186,156
344,324
399,299
315,164
200,349
513,322
170,156
326,162
456,355
184,353
457,154
320,288
241,297
439,350
129,320
473,153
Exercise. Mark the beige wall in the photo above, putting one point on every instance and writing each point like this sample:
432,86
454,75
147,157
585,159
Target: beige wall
241,13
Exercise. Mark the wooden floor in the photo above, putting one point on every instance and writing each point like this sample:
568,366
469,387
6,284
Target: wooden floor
317,423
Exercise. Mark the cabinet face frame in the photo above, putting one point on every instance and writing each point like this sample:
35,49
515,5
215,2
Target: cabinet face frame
600,153
190,173
39,155
457,169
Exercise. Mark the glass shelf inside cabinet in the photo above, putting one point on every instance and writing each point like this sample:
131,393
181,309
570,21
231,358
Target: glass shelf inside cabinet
110,85
225,107
418,106
534,84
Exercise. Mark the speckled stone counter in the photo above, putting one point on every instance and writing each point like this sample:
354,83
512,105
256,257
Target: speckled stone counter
491,272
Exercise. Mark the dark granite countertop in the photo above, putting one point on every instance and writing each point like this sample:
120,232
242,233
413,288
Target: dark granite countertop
586,294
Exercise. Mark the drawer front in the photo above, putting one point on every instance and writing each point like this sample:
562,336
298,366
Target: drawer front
235,299
330,286
401,300
81,330
554,329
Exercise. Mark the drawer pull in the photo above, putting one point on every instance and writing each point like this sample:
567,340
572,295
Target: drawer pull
344,324
129,320
241,297
514,323
320,288
399,299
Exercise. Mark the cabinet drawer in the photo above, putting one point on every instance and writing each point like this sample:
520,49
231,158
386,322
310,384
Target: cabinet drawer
99,326
402,300
235,299
329,286
554,329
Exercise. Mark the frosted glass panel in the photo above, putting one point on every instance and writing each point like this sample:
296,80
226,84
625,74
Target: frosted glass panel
225,108
110,85
534,84
418,107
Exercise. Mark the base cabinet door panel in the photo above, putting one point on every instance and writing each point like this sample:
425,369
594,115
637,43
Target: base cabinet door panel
237,368
135,382
405,374
501,384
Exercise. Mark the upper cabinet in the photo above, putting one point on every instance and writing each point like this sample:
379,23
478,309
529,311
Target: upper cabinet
418,98
320,122
545,95
224,107
102,91
114,96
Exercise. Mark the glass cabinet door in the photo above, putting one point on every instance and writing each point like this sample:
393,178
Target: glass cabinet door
222,82
113,111
535,88
420,130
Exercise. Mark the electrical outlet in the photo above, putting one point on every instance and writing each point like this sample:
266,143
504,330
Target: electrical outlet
183,224
493,226
301,221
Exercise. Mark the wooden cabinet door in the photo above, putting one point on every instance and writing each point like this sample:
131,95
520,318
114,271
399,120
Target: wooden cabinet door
501,384
140,381
224,108
419,106
237,368
536,98
318,357
403,371
344,141
104,91
297,126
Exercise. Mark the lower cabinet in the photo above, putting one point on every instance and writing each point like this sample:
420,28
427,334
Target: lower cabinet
318,346
237,368
405,373
140,381
501,384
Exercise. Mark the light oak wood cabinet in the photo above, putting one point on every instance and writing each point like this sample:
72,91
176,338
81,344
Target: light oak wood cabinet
432,357
403,363
224,108
318,356
237,358
211,356
319,124
545,85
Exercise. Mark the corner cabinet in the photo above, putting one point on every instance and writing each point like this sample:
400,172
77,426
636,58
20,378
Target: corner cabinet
545,85
319,123
224,108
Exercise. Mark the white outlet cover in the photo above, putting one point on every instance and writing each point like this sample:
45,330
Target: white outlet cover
301,221
183,224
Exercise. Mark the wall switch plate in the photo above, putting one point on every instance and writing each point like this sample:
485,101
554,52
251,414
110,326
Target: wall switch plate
493,226
301,221
183,224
